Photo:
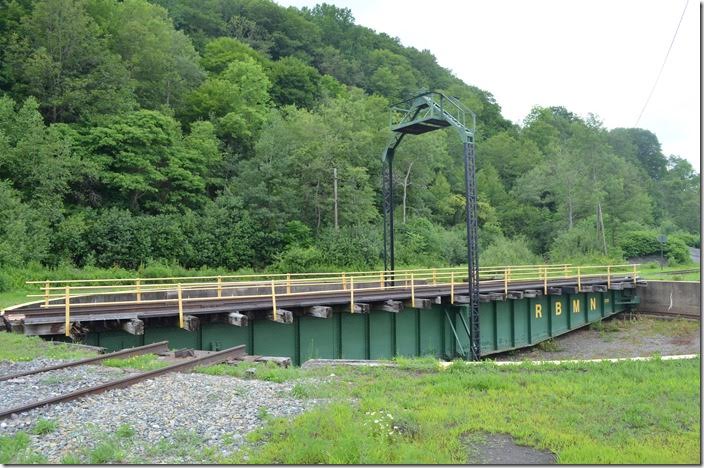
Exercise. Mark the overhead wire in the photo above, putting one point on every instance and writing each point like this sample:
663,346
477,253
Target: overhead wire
662,67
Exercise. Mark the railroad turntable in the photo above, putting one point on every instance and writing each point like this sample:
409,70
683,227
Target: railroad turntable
349,315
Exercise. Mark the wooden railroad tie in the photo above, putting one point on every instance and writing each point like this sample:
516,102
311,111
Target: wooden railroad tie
282,316
191,323
392,306
318,311
359,308
421,303
133,326
237,319
497,296
514,295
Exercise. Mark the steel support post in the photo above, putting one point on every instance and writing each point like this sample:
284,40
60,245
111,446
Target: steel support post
388,209
472,247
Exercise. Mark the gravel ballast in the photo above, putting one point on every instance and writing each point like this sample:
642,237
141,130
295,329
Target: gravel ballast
214,411
36,387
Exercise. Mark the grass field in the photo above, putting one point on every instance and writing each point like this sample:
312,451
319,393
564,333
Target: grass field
670,273
15,347
628,412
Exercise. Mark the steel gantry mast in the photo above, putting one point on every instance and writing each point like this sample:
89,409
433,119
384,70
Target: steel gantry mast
420,114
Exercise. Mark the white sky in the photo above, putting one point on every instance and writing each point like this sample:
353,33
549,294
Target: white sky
598,56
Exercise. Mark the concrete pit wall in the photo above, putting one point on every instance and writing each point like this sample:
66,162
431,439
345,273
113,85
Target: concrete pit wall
671,297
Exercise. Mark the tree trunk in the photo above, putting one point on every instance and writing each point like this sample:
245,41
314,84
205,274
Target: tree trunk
317,206
600,220
334,187
405,190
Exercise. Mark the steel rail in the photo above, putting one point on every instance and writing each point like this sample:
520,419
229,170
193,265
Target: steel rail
195,306
215,358
161,346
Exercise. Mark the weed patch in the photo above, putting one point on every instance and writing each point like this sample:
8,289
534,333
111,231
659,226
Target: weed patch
15,449
262,371
124,431
44,426
144,362
625,412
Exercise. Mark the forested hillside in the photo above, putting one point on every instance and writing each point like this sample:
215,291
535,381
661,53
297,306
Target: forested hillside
204,133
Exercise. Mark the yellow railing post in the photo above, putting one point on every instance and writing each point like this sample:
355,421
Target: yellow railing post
46,293
413,291
180,305
579,279
352,294
344,283
273,300
67,304
138,287
507,272
452,287
288,283
635,273
545,280
567,271
435,277
219,286
608,276
381,280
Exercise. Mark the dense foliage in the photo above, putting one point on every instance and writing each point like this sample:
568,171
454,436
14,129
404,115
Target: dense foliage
206,134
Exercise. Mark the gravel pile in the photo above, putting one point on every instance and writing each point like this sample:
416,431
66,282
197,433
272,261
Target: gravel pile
216,411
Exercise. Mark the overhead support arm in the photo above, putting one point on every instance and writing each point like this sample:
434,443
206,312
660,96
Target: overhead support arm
420,114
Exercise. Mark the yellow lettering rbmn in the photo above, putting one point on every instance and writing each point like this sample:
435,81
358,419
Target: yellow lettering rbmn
558,308
538,311
576,306
592,303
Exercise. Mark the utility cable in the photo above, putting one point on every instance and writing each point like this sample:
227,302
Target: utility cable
663,65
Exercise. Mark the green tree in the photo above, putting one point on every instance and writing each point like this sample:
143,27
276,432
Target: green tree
146,165
679,195
24,235
61,56
295,82
220,52
236,101
161,60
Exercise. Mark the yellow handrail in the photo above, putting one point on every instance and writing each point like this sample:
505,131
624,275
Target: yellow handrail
298,285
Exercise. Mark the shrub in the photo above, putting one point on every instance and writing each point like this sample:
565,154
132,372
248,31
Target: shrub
297,259
351,247
505,251
642,243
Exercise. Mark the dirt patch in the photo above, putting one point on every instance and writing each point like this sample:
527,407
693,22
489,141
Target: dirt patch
501,449
618,337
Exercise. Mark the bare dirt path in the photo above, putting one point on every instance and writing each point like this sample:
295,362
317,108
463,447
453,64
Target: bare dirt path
617,337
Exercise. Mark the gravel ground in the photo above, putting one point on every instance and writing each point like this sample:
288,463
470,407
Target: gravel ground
37,387
173,417
619,337
9,367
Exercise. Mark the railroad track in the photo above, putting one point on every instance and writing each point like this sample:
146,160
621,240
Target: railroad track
675,272
213,358
36,313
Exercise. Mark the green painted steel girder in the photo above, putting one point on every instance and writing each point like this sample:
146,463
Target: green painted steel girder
440,331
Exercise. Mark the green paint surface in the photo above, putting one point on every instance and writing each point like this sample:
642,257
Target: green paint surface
504,325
